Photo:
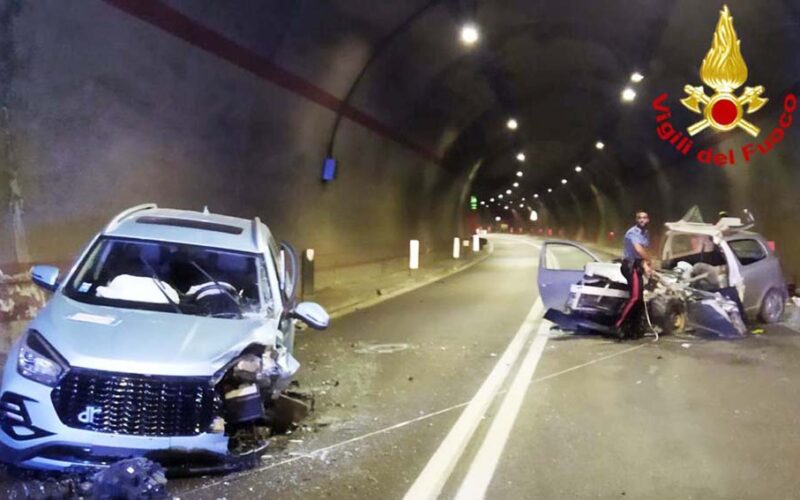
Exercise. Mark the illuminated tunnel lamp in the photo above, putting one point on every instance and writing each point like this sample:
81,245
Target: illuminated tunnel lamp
469,34
329,169
534,216
628,94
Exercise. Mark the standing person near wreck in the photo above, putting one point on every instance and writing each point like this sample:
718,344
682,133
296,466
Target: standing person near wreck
635,262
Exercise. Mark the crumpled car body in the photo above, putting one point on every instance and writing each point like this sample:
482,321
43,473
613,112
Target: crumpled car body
170,337
712,277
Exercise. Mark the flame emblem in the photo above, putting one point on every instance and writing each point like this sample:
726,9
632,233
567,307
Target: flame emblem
724,70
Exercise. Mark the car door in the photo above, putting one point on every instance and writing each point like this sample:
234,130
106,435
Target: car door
754,259
561,265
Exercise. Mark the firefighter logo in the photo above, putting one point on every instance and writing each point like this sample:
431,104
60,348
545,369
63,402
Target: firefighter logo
724,70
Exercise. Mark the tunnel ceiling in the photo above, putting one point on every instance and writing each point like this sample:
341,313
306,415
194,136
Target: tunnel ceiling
559,69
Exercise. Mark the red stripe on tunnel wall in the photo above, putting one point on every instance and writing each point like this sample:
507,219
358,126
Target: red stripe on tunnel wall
174,22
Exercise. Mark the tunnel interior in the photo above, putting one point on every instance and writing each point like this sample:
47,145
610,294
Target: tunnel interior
237,105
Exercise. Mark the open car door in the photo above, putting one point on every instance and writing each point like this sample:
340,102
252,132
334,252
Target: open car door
561,265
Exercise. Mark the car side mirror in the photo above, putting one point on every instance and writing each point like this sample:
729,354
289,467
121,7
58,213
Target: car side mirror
312,314
45,277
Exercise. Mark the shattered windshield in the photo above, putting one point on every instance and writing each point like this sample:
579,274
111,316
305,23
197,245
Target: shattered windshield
171,277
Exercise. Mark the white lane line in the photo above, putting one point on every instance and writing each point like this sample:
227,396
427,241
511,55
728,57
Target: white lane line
485,462
322,451
438,469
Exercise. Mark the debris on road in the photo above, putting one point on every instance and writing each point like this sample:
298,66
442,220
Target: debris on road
134,478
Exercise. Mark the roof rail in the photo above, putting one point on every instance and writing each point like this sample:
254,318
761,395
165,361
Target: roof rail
127,213
258,235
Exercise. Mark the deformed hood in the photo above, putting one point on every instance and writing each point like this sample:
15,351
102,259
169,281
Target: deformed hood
147,342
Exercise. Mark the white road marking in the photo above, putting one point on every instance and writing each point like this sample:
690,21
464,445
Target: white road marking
438,469
485,462
322,451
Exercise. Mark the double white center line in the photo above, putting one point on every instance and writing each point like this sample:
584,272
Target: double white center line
430,482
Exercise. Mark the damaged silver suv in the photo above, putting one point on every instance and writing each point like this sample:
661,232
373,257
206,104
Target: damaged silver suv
170,338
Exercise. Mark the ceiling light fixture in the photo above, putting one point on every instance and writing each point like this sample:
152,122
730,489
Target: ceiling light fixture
469,34
599,145
520,156
512,124
637,77
578,168
628,94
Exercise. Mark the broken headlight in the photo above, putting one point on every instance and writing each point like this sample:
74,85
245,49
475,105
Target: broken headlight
38,361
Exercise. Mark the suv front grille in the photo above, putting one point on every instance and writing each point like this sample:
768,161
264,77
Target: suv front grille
133,404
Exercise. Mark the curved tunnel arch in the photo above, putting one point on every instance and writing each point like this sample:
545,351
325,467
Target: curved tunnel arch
280,78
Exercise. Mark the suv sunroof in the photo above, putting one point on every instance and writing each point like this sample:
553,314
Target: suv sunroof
193,224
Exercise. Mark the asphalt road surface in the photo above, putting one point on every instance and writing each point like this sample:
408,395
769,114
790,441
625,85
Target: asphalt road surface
460,390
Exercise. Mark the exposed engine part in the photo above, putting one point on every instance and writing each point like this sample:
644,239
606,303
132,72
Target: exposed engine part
248,368
243,404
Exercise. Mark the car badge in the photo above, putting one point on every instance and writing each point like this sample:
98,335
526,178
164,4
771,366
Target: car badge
87,415
724,70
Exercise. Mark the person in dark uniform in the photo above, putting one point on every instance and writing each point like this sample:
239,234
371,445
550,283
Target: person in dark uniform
635,263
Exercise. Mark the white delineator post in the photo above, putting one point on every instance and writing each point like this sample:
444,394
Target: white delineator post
456,248
476,243
413,254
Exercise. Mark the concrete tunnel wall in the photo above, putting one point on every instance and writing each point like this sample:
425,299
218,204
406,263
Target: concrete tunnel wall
105,110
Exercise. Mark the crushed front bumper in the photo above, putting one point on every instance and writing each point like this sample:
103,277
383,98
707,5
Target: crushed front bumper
33,436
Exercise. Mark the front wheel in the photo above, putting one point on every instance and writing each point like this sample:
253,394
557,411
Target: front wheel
771,307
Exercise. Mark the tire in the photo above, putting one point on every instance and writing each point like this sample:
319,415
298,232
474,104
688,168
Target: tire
669,314
675,318
772,306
